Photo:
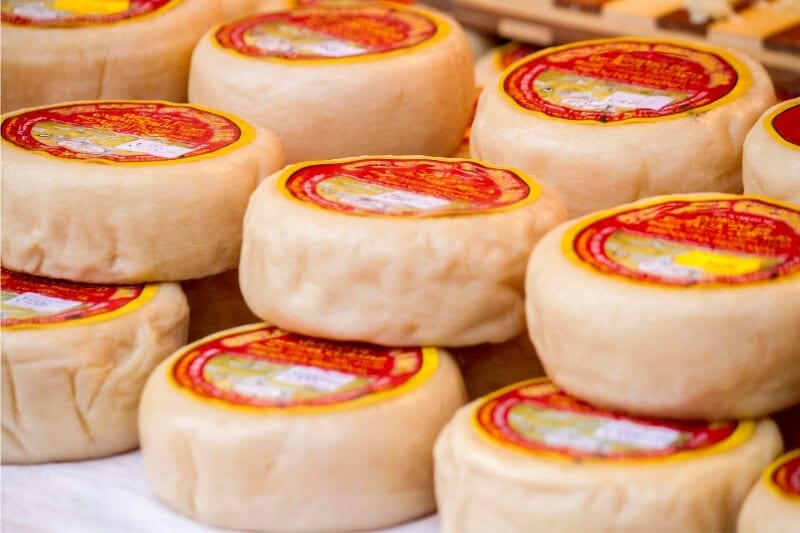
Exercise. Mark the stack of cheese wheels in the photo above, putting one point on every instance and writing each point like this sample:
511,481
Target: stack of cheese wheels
773,505
394,250
99,49
75,358
257,428
489,66
128,191
531,457
615,120
339,80
771,160
682,306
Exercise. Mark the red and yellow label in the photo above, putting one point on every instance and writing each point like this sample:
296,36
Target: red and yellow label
32,302
59,13
624,79
783,476
407,186
783,123
691,241
125,131
537,417
261,366
331,31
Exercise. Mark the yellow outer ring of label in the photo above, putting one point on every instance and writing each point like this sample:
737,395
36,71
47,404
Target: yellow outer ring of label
443,30
572,232
148,293
248,133
766,477
744,430
286,173
743,83
766,122
128,20
430,363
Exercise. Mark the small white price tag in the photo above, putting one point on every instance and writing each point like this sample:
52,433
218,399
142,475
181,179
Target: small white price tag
315,378
641,436
336,49
637,101
154,148
38,303
418,201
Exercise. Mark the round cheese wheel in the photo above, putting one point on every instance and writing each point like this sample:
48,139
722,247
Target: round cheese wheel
338,80
771,160
531,457
128,191
773,504
99,49
489,65
615,120
489,367
682,306
75,359
394,250
216,303
257,428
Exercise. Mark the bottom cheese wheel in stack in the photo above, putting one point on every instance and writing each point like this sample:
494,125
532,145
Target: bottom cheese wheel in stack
771,157
532,458
75,359
488,367
682,306
773,505
215,304
257,428
394,250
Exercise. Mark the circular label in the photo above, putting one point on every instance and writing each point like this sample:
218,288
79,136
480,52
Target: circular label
535,416
407,187
689,242
624,79
784,474
32,301
124,132
263,366
784,123
55,13
329,31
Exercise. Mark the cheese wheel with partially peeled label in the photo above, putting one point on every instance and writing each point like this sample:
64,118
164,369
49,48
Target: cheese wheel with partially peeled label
394,250
531,457
771,160
773,505
64,50
128,191
611,121
75,358
683,306
342,79
257,428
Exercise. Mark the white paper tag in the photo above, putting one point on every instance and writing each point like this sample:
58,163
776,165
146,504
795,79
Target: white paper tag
637,101
648,437
315,378
154,148
418,201
336,49
38,303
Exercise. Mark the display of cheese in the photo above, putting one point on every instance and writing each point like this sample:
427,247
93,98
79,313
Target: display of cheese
773,505
215,304
394,250
489,367
771,161
61,50
489,66
533,458
75,358
128,191
684,306
339,80
612,121
255,428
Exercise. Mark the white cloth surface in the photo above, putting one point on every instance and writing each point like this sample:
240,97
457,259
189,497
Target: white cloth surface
102,496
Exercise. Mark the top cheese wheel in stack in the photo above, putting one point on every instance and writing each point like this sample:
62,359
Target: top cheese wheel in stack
394,250
773,505
91,49
340,80
684,306
611,121
771,163
128,191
